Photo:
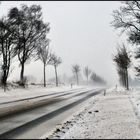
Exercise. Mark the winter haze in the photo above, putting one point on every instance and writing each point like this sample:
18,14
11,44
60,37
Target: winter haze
80,33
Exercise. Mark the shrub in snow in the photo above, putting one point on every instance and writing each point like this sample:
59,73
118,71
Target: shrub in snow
24,83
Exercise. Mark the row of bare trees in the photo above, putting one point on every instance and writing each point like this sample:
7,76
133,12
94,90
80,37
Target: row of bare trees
88,74
23,35
48,58
123,61
127,19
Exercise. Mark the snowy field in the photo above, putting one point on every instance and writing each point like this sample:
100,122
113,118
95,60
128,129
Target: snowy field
32,91
107,117
35,90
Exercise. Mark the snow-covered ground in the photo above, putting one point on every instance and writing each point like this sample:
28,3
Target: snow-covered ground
135,100
31,91
107,117
115,115
35,90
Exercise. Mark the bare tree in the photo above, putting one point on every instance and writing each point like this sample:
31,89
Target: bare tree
29,29
87,73
122,76
127,19
76,69
122,60
55,61
44,54
6,48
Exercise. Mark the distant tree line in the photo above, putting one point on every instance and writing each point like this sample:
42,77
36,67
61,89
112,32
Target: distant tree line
89,74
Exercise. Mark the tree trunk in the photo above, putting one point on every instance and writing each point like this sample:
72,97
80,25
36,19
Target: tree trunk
4,80
56,77
124,78
127,82
44,75
87,80
77,78
22,74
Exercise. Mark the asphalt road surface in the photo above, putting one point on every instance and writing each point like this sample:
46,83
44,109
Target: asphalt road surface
38,116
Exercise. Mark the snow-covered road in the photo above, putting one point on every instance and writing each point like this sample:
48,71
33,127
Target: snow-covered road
40,120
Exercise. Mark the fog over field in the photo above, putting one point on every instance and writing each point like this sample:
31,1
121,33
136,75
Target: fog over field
80,32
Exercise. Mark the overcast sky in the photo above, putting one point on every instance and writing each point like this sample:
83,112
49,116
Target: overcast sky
80,33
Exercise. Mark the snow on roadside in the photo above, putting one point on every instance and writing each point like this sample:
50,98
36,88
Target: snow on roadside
71,120
135,100
112,116
117,91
